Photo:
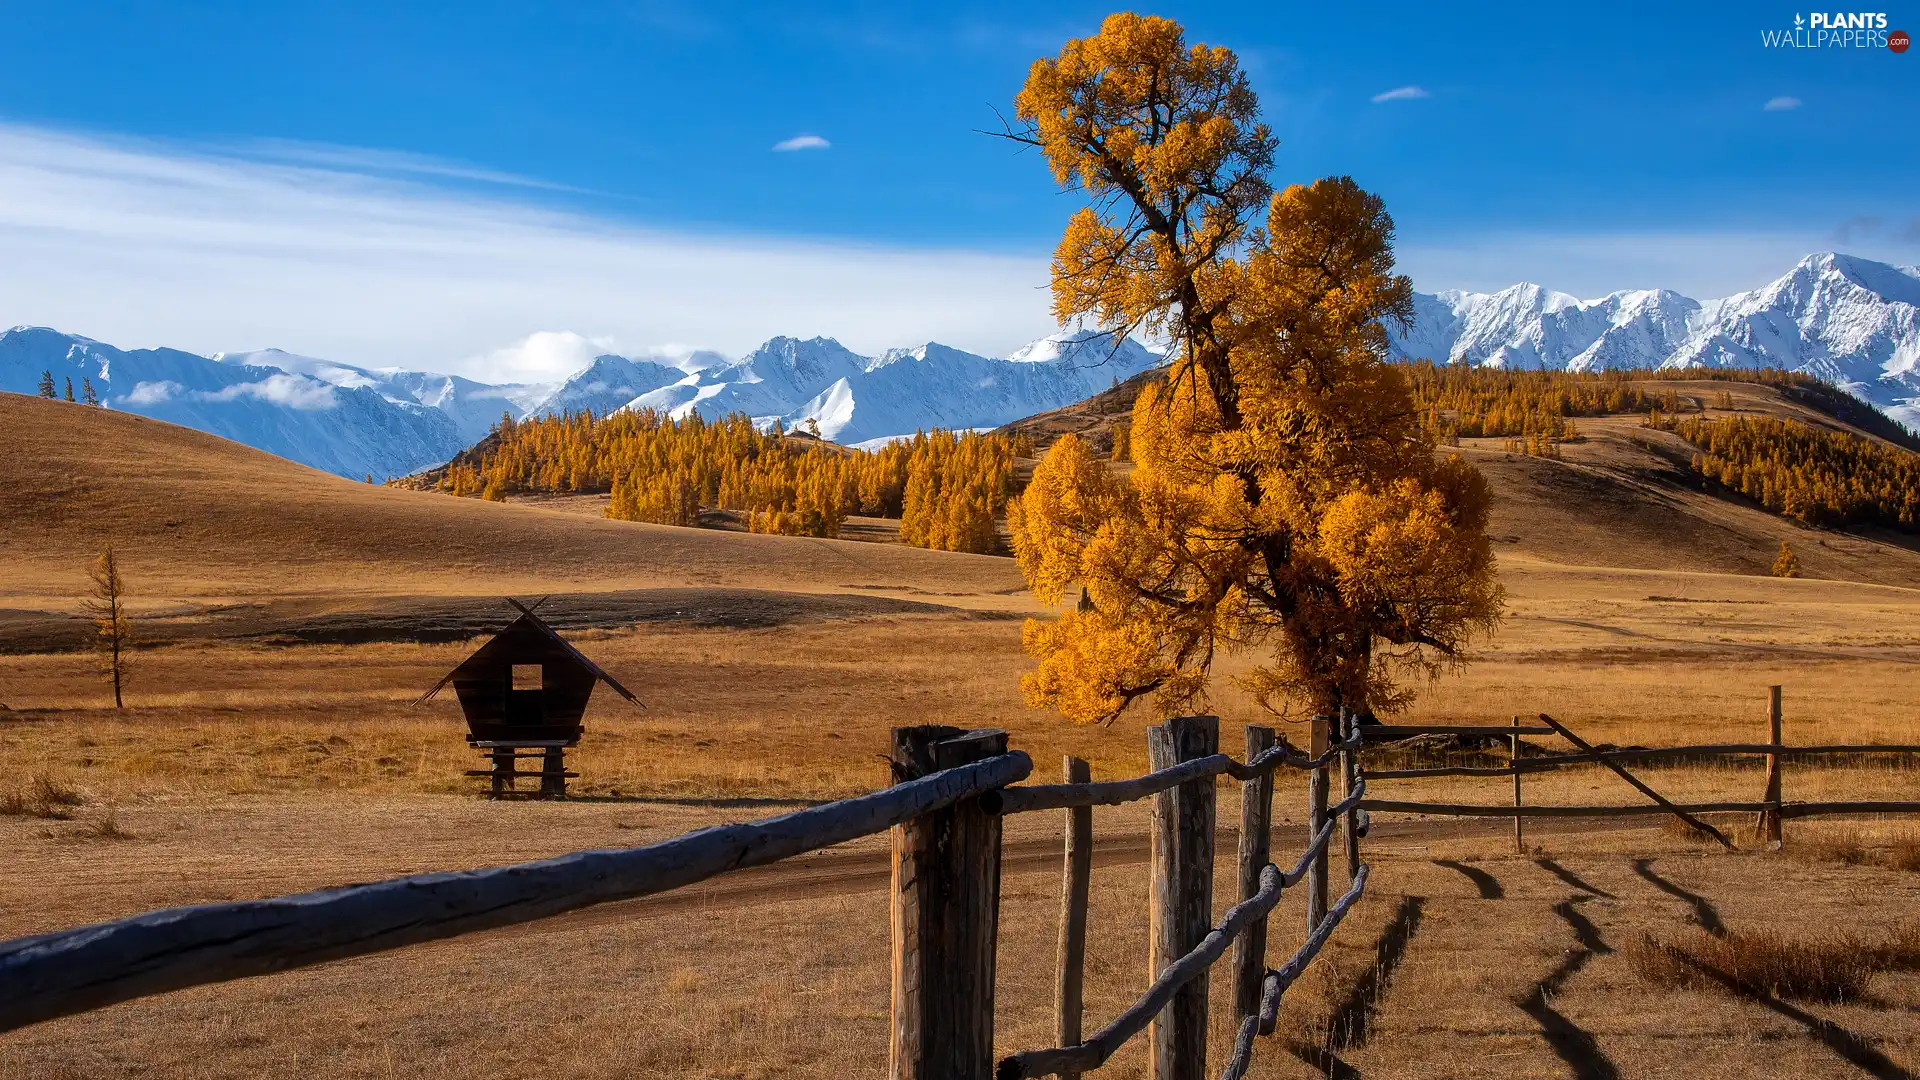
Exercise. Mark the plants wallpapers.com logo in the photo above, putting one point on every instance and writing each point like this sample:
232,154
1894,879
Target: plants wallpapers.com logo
1838,30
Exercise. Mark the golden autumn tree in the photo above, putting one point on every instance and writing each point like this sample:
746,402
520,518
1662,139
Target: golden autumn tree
1786,564
1286,499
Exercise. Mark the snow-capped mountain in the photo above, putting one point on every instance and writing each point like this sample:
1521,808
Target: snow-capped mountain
343,423
861,399
1848,321
388,422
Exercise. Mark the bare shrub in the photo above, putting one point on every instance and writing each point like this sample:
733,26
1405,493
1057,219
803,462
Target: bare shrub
106,827
1678,829
1845,847
1824,968
44,797
1904,852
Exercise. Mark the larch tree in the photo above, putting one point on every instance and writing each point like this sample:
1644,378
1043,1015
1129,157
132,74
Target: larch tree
46,385
69,388
1286,500
113,629
87,394
1786,564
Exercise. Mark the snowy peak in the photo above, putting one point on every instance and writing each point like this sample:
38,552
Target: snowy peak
859,399
1849,321
604,385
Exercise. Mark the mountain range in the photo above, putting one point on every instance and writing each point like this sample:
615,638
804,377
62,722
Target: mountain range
1851,322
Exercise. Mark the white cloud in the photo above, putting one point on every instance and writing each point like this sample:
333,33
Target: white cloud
802,142
152,393
1401,93
544,350
142,244
1782,104
290,390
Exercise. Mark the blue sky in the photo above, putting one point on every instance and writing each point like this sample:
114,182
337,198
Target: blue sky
616,162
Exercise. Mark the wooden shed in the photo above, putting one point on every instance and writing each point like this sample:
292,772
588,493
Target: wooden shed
526,690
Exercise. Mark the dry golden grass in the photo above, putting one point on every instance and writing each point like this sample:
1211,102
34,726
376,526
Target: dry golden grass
246,769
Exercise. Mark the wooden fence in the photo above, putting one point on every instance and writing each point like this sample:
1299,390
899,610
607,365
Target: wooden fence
944,813
953,790
1770,811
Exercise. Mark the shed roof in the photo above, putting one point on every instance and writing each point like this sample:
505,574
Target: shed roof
529,619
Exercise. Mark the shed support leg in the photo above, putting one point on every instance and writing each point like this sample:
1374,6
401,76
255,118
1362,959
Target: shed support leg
502,771
553,774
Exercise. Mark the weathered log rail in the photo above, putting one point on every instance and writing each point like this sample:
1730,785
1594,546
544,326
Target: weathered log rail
58,974
944,813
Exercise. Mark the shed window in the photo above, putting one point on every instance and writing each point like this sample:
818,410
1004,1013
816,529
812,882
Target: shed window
527,677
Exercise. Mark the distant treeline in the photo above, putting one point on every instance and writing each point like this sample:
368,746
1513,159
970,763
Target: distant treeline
1470,402
948,489
1820,477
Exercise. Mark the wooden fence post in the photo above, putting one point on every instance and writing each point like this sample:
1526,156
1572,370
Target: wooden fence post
1350,776
1256,818
1076,880
1182,908
1770,829
1513,762
946,912
1317,820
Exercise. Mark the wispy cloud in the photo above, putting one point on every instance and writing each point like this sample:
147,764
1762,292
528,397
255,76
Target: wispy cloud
1781,104
1401,93
801,142
376,162
142,243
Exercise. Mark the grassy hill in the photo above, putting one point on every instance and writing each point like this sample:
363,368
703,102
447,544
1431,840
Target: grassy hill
200,517
1622,495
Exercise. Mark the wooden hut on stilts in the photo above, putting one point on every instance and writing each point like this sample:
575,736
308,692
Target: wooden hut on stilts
524,694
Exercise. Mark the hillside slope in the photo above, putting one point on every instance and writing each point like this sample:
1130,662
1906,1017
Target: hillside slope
198,516
1621,496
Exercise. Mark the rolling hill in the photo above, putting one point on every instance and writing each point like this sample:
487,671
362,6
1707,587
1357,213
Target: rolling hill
204,521
1621,495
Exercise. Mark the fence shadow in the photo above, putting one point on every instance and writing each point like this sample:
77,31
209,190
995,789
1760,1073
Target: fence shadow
1488,885
1571,878
1854,1048
1704,912
1349,1025
1570,1042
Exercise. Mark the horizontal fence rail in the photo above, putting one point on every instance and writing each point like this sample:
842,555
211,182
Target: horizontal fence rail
1549,762
1031,797
1791,810
1379,732
59,974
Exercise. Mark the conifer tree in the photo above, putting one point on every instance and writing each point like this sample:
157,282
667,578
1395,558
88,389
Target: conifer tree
1286,498
86,392
1122,442
1786,564
46,385
113,629
69,388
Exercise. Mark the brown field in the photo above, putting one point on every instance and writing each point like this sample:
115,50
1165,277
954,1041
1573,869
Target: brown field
271,745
